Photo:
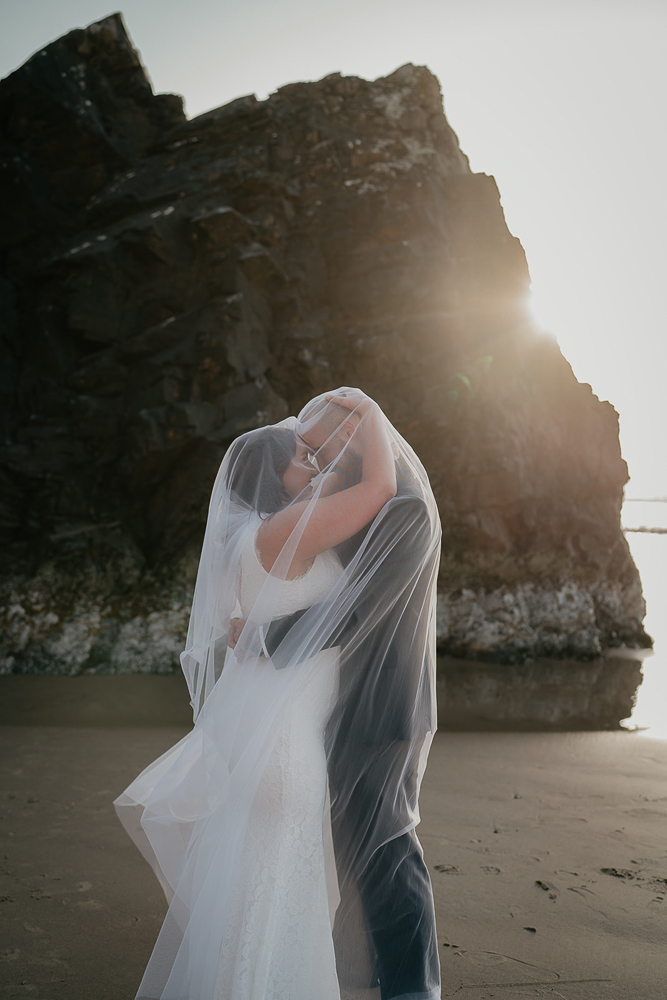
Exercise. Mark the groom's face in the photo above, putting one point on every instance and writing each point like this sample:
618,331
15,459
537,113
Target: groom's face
325,444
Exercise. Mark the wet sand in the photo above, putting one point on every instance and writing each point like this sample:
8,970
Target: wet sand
548,855
517,828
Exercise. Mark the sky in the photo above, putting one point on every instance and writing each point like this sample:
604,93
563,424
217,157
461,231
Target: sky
564,102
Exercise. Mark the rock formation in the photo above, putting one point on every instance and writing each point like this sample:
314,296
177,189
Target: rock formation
169,284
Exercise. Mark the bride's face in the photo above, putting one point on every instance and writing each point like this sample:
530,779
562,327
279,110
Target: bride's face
299,472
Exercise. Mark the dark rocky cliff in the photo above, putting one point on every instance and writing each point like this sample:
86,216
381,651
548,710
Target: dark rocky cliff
169,284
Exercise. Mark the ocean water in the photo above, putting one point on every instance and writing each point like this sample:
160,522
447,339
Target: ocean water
649,552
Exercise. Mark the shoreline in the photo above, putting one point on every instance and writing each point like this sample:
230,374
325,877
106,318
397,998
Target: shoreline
473,696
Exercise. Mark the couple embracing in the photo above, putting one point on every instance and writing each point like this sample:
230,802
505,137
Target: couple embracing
282,827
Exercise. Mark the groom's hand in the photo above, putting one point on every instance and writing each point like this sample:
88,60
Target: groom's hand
236,626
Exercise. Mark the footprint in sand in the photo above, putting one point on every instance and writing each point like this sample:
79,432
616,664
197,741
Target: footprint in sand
547,888
448,869
620,873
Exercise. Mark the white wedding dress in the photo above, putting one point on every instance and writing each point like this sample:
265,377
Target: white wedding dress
276,939
278,943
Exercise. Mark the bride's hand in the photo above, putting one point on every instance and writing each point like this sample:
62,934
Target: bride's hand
329,483
352,399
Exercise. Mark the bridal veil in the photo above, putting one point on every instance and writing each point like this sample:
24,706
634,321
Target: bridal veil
188,811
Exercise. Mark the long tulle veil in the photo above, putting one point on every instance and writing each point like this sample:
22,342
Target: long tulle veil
188,811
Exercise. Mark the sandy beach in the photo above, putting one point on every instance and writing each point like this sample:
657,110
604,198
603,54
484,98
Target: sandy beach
547,851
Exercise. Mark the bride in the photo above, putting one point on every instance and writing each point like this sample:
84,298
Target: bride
272,864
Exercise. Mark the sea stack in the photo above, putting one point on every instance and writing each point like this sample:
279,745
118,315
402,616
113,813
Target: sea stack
170,283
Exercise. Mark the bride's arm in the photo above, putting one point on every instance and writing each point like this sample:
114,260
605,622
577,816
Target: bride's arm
337,517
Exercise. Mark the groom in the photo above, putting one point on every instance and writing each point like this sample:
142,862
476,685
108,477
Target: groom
372,741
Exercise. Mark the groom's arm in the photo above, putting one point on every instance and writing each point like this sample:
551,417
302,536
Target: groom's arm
279,628
275,633
392,638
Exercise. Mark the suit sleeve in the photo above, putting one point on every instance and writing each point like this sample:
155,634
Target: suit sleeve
393,554
389,648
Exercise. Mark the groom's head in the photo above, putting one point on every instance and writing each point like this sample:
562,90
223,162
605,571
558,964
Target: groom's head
326,428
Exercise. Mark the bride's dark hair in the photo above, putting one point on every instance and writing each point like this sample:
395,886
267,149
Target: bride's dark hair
258,462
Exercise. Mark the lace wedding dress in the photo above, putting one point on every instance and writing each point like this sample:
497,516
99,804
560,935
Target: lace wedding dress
278,943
